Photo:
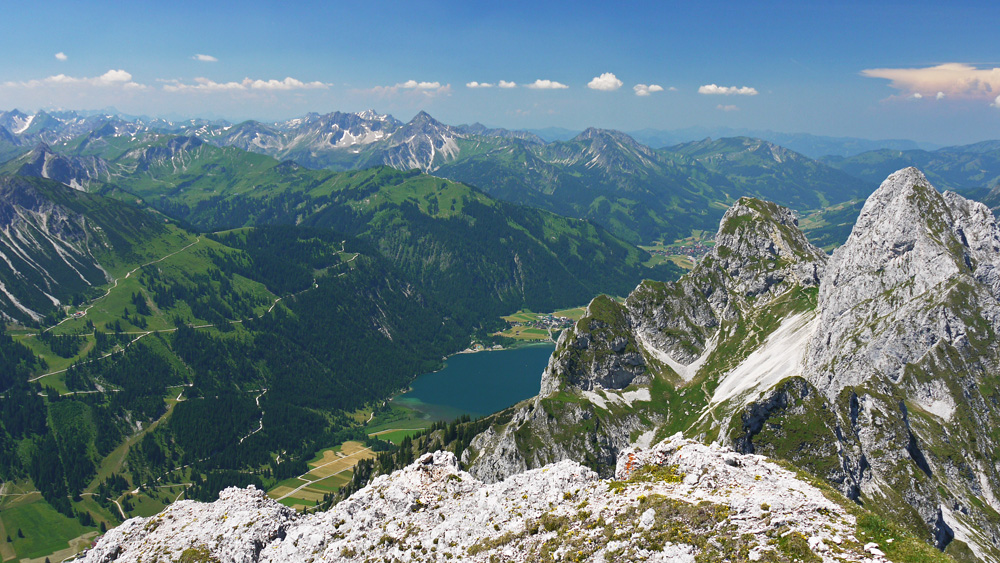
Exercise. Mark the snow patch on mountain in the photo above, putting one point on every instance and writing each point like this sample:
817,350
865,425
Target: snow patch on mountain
21,124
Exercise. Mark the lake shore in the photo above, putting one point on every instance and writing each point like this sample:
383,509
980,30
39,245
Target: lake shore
477,384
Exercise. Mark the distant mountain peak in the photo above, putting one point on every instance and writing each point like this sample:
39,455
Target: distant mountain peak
596,132
424,118
484,131
372,115
15,113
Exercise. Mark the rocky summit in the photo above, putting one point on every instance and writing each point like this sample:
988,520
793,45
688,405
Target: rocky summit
875,369
678,501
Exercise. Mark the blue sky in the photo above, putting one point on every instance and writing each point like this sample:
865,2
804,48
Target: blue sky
848,69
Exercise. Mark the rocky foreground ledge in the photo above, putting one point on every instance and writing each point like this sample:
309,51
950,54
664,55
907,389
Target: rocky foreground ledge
678,501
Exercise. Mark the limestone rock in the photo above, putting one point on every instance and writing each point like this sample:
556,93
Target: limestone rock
917,265
672,502
234,529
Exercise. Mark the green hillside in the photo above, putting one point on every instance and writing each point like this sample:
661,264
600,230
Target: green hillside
771,172
453,239
958,168
634,192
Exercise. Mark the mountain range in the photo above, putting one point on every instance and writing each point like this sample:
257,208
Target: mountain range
639,193
956,168
514,251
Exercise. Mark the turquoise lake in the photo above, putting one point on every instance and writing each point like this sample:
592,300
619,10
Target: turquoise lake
478,384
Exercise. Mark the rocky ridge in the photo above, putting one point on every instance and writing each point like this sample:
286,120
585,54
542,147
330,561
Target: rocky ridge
875,369
664,331
75,172
905,354
910,251
677,501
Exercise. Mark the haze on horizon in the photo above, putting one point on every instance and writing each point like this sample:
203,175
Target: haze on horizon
920,70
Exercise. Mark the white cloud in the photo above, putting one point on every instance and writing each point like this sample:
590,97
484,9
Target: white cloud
60,56
713,89
647,89
996,103
672,89
112,78
546,85
505,84
205,58
475,84
727,107
607,82
288,83
413,84
952,80
917,95
202,84
425,88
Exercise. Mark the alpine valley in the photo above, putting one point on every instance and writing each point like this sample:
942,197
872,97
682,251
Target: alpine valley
205,321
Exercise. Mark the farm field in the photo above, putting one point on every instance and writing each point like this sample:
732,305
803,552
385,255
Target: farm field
526,325
331,469
44,530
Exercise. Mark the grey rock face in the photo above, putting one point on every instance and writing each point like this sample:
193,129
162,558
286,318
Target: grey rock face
760,246
892,289
235,528
759,253
543,430
909,316
75,172
599,353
